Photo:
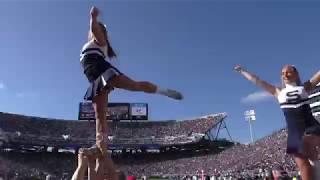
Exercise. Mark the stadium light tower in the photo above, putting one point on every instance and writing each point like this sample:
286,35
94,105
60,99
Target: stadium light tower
250,116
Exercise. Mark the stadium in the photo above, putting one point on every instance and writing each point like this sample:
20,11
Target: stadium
38,148
160,90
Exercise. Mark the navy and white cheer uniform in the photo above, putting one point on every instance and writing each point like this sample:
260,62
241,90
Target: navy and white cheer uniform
294,103
98,71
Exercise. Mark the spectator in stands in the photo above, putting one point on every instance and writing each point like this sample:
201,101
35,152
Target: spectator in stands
131,178
293,101
104,77
279,173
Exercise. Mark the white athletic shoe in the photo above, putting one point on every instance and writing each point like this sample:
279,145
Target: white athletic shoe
174,94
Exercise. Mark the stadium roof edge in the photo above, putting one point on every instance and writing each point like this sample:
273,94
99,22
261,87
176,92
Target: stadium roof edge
204,116
56,119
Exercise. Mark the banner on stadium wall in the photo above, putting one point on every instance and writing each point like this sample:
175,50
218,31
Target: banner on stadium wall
116,111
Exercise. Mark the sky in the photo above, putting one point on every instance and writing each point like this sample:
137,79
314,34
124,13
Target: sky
188,45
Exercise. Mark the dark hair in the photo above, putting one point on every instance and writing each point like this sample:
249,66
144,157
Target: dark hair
296,71
110,52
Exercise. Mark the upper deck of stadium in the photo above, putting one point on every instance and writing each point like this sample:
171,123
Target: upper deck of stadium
43,131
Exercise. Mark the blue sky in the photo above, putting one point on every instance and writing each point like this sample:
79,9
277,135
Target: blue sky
191,46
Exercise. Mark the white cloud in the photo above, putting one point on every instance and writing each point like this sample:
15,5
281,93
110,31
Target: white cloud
256,97
2,85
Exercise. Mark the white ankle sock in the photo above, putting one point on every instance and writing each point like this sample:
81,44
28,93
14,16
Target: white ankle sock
162,91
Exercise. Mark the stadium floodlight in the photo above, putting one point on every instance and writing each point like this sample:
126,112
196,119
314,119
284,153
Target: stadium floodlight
250,116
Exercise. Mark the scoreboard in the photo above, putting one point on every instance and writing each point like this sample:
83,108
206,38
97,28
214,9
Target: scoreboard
115,111
139,111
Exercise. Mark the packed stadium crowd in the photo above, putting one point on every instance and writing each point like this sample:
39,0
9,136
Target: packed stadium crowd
239,161
42,130
25,166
